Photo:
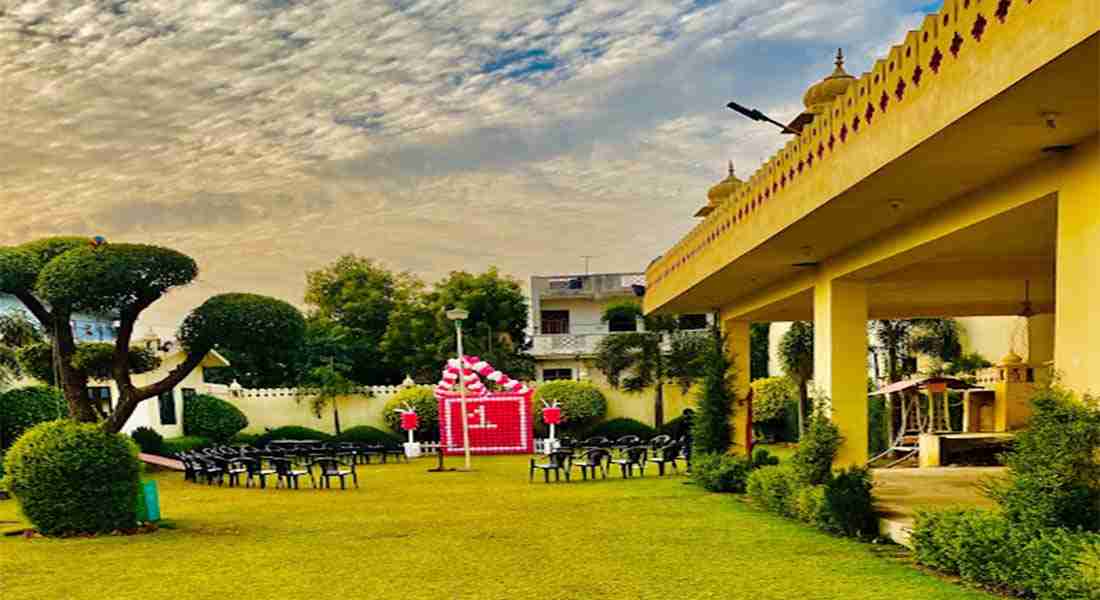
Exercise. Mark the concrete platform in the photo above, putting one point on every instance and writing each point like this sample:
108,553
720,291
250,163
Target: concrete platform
901,492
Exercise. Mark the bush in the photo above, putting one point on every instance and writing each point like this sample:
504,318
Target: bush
582,404
770,398
617,428
366,434
813,461
721,472
290,432
773,488
244,439
985,547
423,402
675,428
211,417
847,506
761,457
186,443
711,430
23,408
148,440
806,503
75,478
1053,476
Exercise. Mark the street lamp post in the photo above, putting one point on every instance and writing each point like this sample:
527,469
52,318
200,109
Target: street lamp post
459,315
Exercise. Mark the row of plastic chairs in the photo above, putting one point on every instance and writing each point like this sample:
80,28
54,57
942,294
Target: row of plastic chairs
597,460
255,470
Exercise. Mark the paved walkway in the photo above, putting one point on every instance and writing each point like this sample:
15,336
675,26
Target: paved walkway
901,492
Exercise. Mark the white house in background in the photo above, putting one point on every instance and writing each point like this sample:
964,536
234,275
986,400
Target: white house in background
86,327
567,325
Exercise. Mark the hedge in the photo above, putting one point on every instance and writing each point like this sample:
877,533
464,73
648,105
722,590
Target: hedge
721,472
581,403
985,547
842,505
427,409
290,432
211,417
186,443
75,478
617,428
366,434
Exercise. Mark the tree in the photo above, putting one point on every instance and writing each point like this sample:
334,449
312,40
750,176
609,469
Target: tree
796,351
57,277
496,327
711,430
759,344
16,332
360,295
638,360
324,387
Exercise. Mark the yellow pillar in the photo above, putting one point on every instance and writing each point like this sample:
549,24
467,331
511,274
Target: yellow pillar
840,361
737,344
1077,291
1040,339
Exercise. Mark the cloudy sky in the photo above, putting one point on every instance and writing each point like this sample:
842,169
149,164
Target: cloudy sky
268,137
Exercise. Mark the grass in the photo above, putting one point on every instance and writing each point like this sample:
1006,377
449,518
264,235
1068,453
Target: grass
408,534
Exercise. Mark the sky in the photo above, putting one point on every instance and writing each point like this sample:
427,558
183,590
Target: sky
266,138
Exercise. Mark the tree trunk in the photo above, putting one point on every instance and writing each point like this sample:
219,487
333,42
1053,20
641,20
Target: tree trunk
73,384
336,415
803,396
659,406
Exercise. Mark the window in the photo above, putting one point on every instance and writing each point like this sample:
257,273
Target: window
555,321
557,374
167,402
619,324
101,395
692,322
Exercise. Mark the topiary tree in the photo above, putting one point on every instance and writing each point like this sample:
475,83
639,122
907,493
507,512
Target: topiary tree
796,351
148,440
290,432
423,401
57,277
323,387
711,431
75,478
770,398
813,460
582,403
23,408
211,417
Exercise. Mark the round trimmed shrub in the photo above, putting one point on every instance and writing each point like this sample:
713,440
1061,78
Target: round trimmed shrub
770,397
212,417
581,403
148,440
617,428
290,432
423,402
75,478
23,408
365,434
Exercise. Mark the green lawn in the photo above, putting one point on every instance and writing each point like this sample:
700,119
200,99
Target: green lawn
410,534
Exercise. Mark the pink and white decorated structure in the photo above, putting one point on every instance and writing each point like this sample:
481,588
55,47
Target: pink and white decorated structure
499,422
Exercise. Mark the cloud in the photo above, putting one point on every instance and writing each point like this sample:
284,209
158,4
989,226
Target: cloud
266,137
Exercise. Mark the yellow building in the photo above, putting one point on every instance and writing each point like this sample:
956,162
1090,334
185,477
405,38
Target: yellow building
962,170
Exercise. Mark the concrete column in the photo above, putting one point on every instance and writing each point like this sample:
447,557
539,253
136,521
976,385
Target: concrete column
840,361
1077,284
737,340
1040,339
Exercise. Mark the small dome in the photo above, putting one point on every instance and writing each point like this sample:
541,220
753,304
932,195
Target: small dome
1011,359
830,88
725,188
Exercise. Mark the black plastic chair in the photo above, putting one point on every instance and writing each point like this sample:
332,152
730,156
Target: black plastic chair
328,468
632,457
596,460
256,470
659,441
234,468
596,442
627,441
397,452
557,461
285,471
669,454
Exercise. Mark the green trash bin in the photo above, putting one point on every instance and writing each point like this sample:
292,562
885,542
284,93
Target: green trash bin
149,502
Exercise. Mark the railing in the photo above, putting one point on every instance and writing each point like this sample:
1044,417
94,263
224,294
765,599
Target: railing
567,344
874,100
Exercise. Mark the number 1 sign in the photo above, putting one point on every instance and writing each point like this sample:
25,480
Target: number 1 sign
498,424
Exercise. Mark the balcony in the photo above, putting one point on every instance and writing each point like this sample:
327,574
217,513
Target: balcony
566,344
594,287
